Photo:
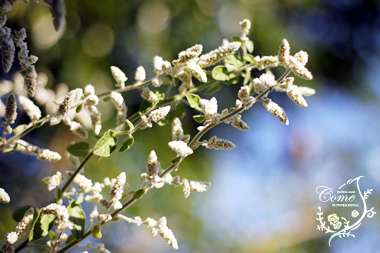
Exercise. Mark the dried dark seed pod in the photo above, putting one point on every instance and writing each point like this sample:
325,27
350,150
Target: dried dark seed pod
11,109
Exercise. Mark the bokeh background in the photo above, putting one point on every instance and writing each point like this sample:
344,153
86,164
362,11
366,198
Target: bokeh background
263,196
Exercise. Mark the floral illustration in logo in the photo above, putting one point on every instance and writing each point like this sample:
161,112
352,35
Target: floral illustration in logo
334,219
354,213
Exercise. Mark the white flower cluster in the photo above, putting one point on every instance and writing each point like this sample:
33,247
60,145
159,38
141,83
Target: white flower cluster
118,101
117,191
62,223
98,249
245,25
294,63
177,131
216,143
76,128
119,76
30,108
210,109
42,154
180,148
276,110
55,181
148,95
4,197
155,115
158,228
190,186
72,98
140,74
21,229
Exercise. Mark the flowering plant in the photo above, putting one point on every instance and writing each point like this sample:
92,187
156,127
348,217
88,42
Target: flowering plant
67,225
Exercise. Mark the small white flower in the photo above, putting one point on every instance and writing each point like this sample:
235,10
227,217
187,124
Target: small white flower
354,213
209,107
117,190
45,154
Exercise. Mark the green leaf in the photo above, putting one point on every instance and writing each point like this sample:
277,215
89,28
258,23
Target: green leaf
176,160
19,129
129,125
193,100
249,45
160,96
249,58
20,212
166,80
51,235
107,99
213,89
69,239
106,145
95,232
145,107
220,73
127,143
38,123
237,39
139,193
199,118
79,108
115,219
234,79
46,180
59,193
163,121
247,77
10,150
234,60
41,226
79,198
178,111
80,149
78,217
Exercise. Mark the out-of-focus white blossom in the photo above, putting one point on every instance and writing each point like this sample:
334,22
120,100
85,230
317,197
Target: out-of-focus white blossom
4,197
180,148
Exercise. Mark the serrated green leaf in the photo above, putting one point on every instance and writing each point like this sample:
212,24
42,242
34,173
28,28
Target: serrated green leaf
249,45
213,89
199,118
19,213
80,149
95,232
107,99
139,193
19,129
69,239
78,217
106,145
129,125
79,108
237,39
234,60
127,143
249,58
42,226
220,73
193,100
